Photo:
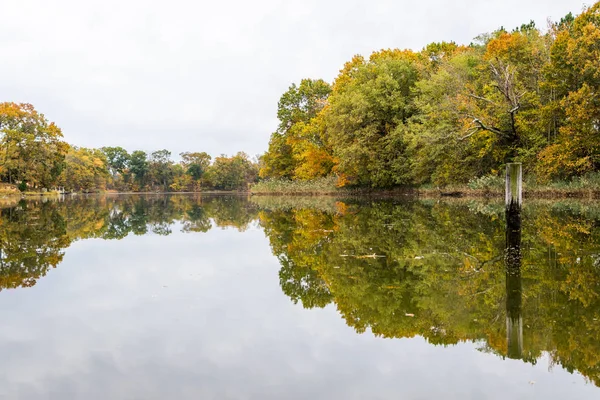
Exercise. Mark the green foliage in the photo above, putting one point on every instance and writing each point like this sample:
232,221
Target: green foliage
160,168
488,183
232,173
366,117
297,141
85,170
33,156
325,185
117,159
195,165
301,103
32,148
278,161
138,165
451,114
195,171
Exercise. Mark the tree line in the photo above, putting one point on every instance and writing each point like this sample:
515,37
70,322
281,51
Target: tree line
34,156
450,113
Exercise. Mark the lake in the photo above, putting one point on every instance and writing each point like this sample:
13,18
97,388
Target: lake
229,297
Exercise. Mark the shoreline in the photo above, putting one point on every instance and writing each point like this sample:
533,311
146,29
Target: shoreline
545,193
542,193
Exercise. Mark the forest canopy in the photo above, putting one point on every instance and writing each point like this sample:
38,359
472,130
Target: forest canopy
34,156
446,114
450,113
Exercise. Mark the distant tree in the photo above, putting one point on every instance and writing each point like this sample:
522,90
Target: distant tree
160,168
233,173
117,158
195,165
138,165
85,170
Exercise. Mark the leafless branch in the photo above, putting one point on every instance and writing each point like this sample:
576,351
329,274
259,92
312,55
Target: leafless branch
482,98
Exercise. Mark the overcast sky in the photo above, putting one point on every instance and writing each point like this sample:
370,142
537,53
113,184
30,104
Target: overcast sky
206,75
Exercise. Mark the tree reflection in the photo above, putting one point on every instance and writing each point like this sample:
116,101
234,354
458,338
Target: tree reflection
32,239
34,234
451,272
398,269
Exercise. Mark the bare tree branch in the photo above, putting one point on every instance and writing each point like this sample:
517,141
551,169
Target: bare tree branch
482,98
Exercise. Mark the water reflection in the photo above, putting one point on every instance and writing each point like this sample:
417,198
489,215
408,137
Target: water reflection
514,293
449,272
34,234
452,272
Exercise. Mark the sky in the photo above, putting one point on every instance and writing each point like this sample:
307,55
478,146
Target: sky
188,75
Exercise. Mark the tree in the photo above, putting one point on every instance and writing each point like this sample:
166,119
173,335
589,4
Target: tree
233,173
85,170
366,116
138,165
482,105
160,163
117,159
573,77
31,147
195,164
296,110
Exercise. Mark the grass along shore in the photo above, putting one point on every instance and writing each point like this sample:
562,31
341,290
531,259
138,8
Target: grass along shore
587,186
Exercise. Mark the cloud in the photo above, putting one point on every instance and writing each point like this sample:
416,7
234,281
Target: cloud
206,76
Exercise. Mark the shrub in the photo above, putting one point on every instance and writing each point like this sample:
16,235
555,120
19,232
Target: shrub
285,186
487,182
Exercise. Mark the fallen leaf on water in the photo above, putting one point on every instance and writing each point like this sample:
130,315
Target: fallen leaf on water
409,315
371,256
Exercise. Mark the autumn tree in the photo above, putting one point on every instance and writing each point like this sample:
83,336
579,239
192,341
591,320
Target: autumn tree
232,173
371,102
31,147
195,165
297,137
573,76
85,170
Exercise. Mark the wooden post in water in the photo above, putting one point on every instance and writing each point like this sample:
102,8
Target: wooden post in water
514,184
514,320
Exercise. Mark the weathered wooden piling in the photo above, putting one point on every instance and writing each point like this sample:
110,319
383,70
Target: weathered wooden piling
513,202
514,184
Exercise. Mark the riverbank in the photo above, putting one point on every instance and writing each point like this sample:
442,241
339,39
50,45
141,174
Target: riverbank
586,187
306,189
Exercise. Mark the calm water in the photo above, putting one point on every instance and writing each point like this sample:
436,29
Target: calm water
187,297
